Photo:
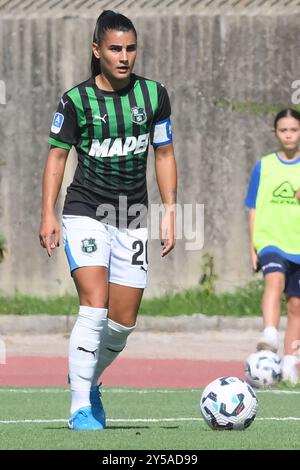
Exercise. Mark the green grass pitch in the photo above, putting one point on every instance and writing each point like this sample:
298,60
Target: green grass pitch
35,418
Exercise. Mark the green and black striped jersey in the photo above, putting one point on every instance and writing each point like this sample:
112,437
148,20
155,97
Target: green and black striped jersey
111,132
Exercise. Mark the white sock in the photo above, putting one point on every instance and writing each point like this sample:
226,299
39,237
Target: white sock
289,361
113,341
271,333
83,353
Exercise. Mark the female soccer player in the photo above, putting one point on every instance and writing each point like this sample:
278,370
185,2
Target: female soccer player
274,218
110,119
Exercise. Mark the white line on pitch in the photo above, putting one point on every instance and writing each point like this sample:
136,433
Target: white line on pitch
139,420
138,391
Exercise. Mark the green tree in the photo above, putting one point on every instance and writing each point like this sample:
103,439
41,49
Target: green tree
208,278
3,248
3,243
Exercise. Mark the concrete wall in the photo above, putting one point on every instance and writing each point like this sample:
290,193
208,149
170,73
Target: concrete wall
214,67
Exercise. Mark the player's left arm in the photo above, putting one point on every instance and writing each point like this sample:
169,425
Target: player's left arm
166,175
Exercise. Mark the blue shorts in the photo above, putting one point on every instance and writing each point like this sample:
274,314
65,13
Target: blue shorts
275,263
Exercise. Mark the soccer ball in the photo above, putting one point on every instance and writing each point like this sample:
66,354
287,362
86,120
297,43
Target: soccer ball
263,369
228,403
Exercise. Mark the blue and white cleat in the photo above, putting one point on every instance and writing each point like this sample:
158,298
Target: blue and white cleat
97,406
84,420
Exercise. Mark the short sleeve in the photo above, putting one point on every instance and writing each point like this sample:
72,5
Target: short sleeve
161,133
250,200
64,128
164,106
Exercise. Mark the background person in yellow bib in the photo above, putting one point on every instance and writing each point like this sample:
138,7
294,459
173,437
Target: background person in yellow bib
274,220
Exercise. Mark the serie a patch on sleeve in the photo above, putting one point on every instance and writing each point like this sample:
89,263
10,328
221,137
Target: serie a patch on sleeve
162,133
57,123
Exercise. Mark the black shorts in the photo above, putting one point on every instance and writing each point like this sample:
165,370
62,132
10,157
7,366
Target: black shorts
273,263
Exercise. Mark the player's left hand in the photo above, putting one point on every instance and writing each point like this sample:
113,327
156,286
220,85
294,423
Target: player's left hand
297,195
167,238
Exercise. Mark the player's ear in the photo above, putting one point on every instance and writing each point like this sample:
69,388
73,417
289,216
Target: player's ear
96,50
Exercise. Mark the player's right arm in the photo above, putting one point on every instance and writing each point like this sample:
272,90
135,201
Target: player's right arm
253,254
64,134
52,181
250,202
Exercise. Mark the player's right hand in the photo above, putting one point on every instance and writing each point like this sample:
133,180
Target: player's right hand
254,261
49,233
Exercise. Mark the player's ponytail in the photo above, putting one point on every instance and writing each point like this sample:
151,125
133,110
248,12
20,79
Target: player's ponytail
289,112
108,21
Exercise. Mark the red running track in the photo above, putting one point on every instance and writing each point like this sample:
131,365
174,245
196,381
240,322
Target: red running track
35,371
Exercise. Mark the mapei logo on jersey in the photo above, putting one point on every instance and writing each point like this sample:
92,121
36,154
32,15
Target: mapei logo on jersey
88,245
57,123
138,115
119,147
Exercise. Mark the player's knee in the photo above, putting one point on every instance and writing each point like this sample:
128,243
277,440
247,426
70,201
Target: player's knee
117,335
94,300
294,306
128,323
125,318
275,281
